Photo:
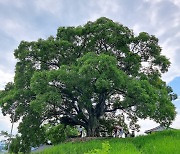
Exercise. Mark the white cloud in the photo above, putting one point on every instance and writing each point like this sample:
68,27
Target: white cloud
178,99
105,8
16,3
153,1
6,125
170,50
5,78
18,30
171,74
154,15
175,2
136,29
176,123
146,125
149,124
50,6
176,19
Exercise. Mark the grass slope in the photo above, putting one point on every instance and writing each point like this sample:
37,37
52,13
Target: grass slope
166,142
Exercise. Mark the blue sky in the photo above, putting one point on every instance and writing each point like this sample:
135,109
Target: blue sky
32,19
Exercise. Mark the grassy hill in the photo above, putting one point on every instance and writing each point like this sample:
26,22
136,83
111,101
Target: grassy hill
166,142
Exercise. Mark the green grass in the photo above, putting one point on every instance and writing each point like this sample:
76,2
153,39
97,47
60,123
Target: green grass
166,142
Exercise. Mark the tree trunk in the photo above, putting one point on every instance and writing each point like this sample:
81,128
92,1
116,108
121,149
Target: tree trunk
92,128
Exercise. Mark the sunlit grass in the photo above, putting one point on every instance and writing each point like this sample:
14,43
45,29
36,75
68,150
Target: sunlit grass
167,142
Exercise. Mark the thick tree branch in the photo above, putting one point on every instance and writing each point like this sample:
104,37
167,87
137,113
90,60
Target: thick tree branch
46,62
100,107
119,108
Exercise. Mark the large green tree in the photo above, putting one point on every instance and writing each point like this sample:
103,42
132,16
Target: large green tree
86,75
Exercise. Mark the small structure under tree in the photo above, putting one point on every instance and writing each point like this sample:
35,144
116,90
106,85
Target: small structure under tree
158,129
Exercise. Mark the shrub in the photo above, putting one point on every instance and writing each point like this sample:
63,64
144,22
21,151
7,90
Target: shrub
59,133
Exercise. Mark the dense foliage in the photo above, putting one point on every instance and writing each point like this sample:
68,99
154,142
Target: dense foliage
84,76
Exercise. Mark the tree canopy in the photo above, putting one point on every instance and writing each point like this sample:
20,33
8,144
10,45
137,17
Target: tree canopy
86,75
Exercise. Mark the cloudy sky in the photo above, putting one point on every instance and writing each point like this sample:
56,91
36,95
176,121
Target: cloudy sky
32,19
